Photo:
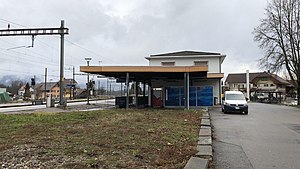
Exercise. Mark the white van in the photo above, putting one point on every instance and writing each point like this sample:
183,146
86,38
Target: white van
234,101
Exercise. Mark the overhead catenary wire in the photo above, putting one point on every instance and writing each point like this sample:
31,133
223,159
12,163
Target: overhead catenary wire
90,51
69,41
29,57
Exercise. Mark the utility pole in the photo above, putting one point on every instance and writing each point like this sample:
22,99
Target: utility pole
73,85
61,80
45,92
44,31
88,59
248,84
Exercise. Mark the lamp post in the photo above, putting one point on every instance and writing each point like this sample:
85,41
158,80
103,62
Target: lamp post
88,59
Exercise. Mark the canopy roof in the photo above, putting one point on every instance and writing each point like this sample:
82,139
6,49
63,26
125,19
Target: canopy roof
149,72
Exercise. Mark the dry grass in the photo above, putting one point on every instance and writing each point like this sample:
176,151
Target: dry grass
100,139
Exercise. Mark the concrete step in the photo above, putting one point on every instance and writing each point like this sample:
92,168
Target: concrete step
196,163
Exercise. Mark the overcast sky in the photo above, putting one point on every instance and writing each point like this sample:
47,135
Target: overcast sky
124,32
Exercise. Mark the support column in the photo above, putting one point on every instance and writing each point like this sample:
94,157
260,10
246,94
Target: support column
188,91
220,92
121,89
136,93
127,90
184,90
144,88
149,96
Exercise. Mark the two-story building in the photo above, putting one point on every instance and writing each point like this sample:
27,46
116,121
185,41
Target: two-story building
203,91
177,79
70,87
50,87
260,82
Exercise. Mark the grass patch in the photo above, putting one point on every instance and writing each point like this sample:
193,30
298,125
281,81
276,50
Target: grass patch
99,139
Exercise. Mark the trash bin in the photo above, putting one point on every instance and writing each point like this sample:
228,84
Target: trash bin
52,102
216,100
49,101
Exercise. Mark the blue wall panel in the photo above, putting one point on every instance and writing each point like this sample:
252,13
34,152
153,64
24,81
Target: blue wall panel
193,96
205,96
199,96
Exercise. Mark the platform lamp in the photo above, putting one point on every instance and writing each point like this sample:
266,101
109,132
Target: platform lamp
88,59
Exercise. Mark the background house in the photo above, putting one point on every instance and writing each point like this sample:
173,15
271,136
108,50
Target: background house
70,87
260,82
237,81
21,91
268,82
51,87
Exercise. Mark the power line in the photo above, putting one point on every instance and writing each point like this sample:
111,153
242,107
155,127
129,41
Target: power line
90,51
25,54
77,45
5,20
26,60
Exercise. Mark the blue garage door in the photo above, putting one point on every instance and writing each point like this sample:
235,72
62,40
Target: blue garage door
199,96
205,96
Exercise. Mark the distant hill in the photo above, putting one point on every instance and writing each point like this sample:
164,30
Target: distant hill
7,79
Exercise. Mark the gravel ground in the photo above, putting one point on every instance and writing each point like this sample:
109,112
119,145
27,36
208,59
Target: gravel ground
30,156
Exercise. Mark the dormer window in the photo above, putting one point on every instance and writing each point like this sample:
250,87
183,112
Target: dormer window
200,63
168,63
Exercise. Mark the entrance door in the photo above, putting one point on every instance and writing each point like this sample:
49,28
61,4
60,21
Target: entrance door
157,97
172,96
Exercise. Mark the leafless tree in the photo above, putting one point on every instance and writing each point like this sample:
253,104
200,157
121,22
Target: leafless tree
279,35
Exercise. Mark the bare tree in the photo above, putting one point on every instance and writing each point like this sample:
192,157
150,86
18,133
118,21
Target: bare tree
279,35
27,91
15,86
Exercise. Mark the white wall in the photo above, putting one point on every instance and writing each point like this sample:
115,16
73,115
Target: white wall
213,62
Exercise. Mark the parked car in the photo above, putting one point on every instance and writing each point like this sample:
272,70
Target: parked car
294,102
234,101
261,96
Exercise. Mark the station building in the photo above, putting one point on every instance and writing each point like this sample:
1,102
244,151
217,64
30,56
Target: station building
170,78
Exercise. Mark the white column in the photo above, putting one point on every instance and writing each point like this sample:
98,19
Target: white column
248,84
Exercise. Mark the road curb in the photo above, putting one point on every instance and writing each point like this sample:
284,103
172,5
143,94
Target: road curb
204,156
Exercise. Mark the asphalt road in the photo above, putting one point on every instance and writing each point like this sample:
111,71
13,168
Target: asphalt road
267,138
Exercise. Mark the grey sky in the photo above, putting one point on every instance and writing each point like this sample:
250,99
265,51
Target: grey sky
123,32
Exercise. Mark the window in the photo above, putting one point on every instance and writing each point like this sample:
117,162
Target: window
266,85
264,79
200,63
272,85
168,63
